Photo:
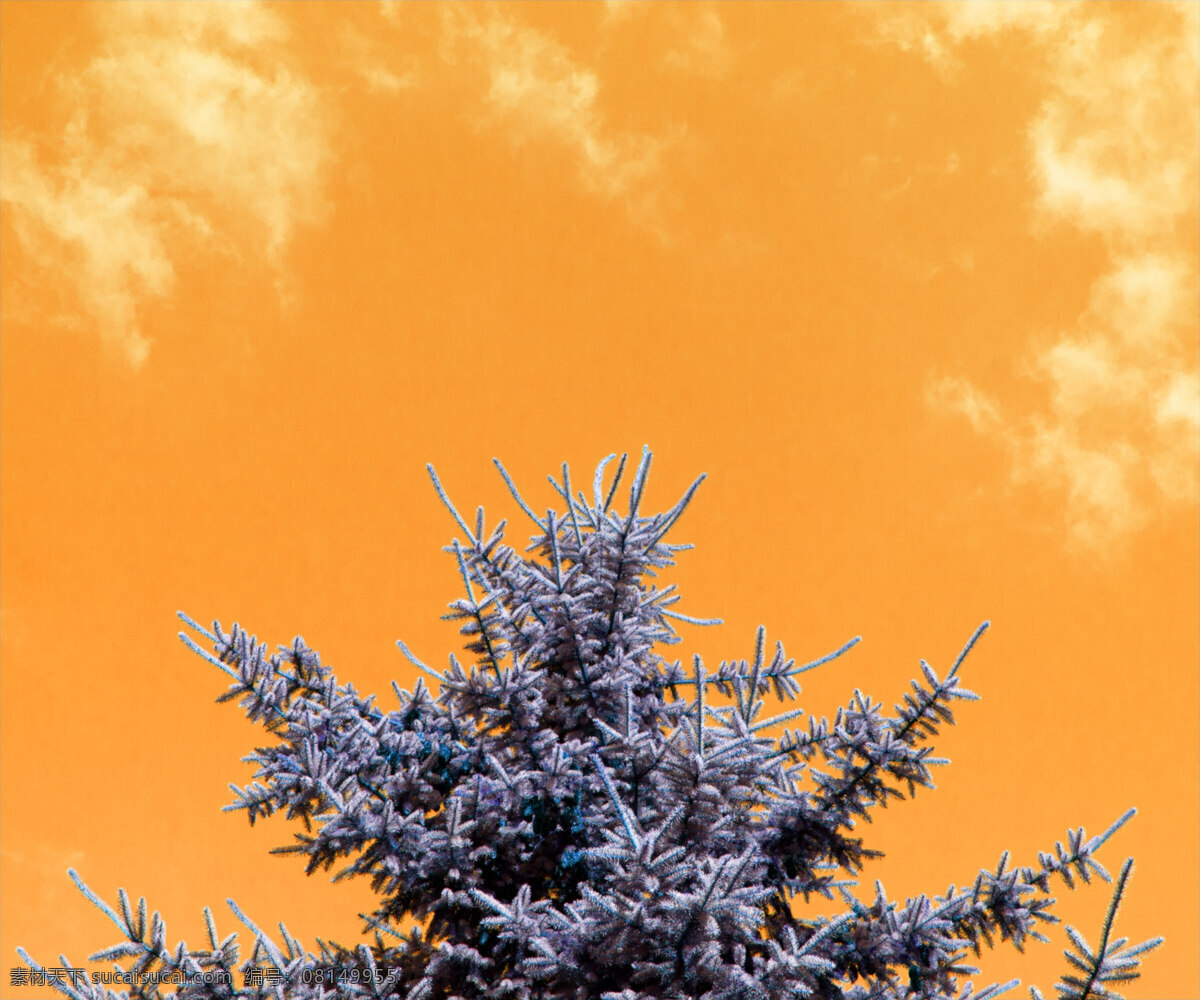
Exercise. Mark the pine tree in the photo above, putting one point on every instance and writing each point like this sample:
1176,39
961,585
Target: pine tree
573,816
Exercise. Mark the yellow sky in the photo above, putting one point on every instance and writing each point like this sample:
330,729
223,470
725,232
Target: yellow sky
915,284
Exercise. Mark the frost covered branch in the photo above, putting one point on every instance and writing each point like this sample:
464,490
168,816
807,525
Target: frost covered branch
568,814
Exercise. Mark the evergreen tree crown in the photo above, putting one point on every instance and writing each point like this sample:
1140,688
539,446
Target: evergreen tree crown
574,816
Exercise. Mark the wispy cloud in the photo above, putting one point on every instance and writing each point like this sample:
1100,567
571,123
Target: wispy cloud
950,393
616,11
703,47
1113,152
99,230
374,58
186,130
535,89
696,42
935,30
521,83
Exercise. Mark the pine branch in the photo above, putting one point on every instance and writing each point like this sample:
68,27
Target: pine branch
1112,962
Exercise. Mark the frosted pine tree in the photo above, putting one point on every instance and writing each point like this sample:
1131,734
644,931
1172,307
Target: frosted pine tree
572,815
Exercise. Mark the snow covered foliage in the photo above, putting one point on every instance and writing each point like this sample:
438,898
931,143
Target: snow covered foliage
572,815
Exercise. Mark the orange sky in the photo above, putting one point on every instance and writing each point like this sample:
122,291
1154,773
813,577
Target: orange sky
916,285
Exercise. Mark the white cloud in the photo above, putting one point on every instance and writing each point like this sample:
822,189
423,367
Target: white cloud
1179,402
703,47
187,130
1147,300
1085,375
986,17
1119,433
936,30
535,89
616,11
381,80
1177,429
1120,429
83,221
698,43
246,129
1101,484
960,396
391,10
1113,152
1114,145
374,58
519,81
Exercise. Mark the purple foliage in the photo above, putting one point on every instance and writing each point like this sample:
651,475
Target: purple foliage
573,816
